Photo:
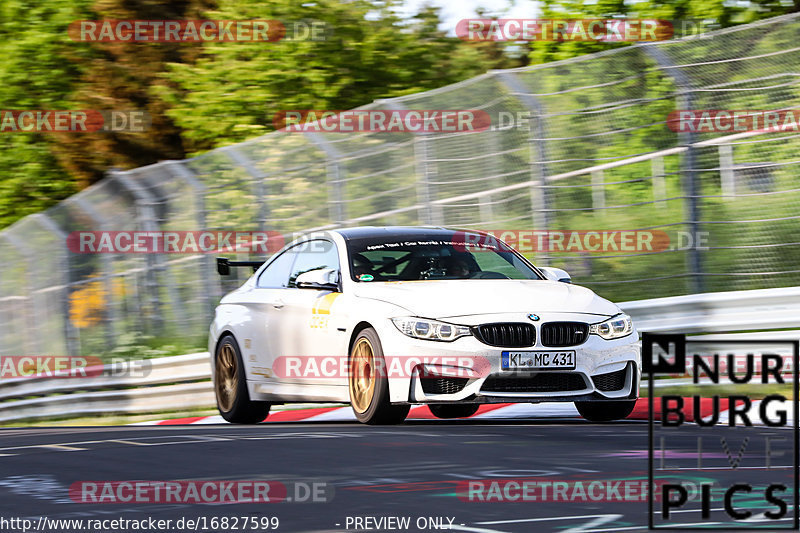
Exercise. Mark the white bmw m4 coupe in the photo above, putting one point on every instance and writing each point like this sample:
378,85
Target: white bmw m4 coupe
386,317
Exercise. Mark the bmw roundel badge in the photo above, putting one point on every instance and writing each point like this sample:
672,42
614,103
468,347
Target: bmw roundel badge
533,317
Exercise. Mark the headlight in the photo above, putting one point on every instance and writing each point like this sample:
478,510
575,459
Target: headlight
613,328
421,328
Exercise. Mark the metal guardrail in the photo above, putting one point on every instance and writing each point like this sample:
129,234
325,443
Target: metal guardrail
755,310
126,401
184,381
171,383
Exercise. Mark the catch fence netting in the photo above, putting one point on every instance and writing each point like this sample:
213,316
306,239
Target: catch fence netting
581,144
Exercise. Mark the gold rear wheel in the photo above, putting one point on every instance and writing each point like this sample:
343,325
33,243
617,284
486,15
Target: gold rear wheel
230,386
227,374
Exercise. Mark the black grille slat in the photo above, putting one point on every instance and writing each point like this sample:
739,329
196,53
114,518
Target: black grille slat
560,334
612,381
506,334
542,382
443,385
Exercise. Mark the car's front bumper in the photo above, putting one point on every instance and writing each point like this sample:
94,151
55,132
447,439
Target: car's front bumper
538,387
605,370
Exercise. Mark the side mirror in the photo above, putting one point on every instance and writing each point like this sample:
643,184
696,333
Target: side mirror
556,274
223,266
320,279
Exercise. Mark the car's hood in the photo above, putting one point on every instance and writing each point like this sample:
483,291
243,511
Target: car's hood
450,298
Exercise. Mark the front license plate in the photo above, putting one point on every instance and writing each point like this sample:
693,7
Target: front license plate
538,360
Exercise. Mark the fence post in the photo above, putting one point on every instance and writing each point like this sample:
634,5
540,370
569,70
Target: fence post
334,175
726,173
423,167
429,213
691,185
598,191
34,342
146,217
112,316
486,203
71,334
537,150
180,170
260,189
659,183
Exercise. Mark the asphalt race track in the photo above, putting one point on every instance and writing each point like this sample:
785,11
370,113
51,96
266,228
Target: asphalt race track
411,471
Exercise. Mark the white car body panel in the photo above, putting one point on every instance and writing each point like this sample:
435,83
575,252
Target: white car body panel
449,298
269,322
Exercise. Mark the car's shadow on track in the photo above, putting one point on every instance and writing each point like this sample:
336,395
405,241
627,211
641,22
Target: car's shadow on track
466,422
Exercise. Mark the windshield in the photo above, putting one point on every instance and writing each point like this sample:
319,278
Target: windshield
435,257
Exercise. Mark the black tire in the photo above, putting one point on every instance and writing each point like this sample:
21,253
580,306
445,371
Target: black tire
230,386
369,389
460,410
605,411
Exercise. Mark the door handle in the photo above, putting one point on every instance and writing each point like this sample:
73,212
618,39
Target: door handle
278,304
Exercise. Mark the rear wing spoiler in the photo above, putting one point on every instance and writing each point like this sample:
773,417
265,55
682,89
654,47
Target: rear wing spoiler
224,265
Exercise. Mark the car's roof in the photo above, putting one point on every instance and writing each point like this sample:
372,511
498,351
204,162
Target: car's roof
369,232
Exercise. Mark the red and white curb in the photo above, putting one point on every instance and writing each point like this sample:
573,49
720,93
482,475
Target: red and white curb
345,414
500,411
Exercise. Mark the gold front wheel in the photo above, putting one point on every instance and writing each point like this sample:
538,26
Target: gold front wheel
369,385
362,375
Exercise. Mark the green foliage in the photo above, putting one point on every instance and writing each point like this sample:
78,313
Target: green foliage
135,346
35,74
234,90
201,96
710,14
120,76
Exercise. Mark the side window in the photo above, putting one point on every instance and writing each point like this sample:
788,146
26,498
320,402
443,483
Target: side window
504,263
276,275
313,255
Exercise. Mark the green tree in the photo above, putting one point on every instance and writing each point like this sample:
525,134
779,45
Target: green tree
43,68
712,13
36,74
120,76
234,90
